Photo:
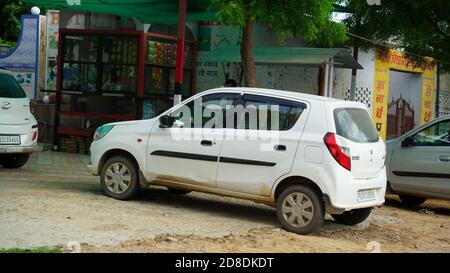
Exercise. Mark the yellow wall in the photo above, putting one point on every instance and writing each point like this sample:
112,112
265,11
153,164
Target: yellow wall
396,61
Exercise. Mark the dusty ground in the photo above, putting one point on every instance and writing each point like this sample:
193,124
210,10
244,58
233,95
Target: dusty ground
53,201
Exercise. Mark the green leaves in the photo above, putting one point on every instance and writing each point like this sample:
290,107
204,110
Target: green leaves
421,27
10,18
310,19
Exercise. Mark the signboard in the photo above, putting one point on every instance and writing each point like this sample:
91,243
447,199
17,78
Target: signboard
395,60
52,49
23,59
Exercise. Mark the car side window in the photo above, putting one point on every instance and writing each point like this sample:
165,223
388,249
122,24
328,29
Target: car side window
435,135
267,113
207,111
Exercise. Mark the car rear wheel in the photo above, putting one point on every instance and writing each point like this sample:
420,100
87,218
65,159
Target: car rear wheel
352,217
14,161
119,178
300,209
413,201
177,191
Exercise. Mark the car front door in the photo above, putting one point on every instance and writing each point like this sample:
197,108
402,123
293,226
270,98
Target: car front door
188,152
423,164
258,151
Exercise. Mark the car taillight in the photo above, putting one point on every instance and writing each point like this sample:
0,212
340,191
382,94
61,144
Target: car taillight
33,138
340,153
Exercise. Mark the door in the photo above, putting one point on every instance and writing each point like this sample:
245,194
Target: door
188,152
366,148
262,146
424,166
14,104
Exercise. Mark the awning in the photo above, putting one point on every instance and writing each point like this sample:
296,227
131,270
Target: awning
286,55
147,11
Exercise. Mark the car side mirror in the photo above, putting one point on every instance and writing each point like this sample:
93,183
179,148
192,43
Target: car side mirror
166,121
409,141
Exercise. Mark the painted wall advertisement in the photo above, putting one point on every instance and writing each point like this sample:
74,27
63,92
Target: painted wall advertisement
395,61
23,59
52,49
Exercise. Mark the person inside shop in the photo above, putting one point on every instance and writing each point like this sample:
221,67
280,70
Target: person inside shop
230,83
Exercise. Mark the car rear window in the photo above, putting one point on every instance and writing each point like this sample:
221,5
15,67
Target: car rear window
355,124
10,88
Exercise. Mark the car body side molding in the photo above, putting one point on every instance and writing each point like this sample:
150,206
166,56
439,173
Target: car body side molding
213,158
416,174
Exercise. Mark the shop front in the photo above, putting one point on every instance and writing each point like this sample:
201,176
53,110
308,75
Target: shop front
113,72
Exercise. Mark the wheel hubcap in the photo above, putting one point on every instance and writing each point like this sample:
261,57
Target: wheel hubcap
298,209
117,178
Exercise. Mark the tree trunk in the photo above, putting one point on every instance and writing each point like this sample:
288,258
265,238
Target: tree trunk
247,57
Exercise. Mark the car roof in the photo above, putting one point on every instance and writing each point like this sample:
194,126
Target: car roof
287,94
4,71
438,119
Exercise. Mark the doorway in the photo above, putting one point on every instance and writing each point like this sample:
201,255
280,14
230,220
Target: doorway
405,102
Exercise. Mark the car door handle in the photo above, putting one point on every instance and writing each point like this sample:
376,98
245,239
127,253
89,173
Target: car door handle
206,143
444,158
280,148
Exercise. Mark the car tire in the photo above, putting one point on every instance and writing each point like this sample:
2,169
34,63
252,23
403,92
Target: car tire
352,217
178,191
300,209
14,161
119,178
412,201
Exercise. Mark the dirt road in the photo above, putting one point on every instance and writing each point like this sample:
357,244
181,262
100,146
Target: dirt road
53,201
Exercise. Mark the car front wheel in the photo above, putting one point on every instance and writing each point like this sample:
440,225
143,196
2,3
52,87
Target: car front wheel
352,217
14,161
300,209
119,178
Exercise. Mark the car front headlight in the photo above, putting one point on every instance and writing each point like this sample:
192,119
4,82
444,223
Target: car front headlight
102,131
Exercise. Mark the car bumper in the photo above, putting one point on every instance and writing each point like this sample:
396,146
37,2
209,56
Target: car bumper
19,149
346,197
92,169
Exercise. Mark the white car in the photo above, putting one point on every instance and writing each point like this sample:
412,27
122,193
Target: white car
323,155
18,127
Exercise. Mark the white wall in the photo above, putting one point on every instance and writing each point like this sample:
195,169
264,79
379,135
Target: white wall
293,78
364,79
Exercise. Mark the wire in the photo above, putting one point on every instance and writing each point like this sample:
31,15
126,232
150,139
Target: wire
385,44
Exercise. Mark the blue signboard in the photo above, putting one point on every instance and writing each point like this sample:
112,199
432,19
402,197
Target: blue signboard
23,59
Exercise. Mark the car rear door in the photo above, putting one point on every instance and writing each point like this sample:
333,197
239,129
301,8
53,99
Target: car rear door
256,152
14,105
423,166
367,149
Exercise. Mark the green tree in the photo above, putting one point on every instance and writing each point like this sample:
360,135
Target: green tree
11,10
288,18
421,27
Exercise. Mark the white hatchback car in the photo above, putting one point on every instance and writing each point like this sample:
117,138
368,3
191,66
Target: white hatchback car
18,127
305,155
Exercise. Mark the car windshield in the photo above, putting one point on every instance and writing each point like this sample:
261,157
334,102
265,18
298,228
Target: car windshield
10,88
355,124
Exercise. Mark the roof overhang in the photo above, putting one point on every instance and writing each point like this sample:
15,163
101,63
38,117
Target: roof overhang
340,57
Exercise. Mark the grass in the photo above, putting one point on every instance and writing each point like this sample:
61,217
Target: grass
43,249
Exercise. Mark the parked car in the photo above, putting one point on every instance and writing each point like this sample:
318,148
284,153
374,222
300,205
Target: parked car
18,127
419,163
325,155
